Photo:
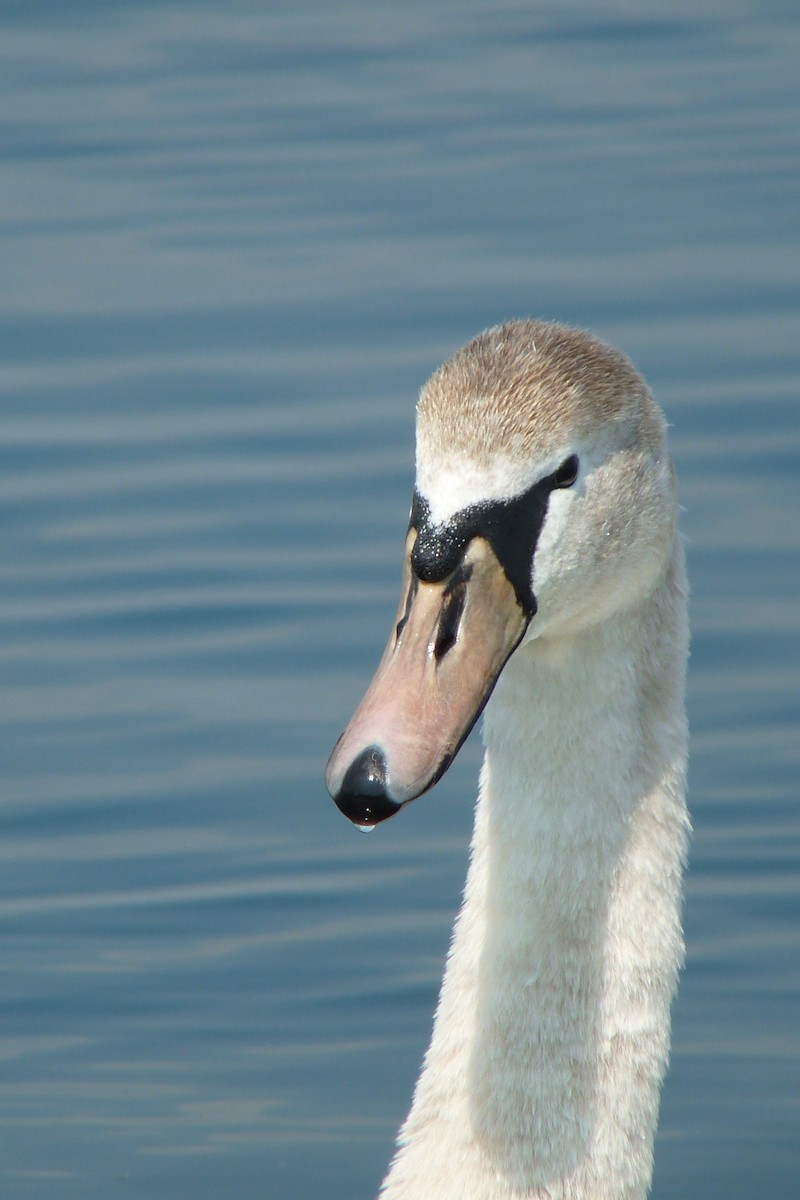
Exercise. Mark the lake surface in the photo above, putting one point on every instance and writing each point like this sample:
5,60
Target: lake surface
235,241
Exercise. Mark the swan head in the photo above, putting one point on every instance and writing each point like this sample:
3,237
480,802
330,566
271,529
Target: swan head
544,503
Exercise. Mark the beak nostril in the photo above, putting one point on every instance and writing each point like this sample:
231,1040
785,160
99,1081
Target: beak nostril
445,640
401,624
449,622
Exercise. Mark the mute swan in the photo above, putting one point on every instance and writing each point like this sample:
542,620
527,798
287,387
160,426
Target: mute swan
543,573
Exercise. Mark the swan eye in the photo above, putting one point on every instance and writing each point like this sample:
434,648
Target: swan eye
567,473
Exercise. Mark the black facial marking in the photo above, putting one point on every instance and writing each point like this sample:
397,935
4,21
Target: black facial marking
511,527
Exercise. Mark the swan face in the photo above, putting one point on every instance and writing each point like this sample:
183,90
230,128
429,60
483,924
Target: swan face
604,543
544,502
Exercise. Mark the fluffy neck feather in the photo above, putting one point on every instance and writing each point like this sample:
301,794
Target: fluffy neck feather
552,1032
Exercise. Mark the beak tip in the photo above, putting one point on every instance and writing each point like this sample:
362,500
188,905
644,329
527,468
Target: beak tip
363,795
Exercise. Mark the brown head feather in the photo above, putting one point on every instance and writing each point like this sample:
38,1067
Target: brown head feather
528,388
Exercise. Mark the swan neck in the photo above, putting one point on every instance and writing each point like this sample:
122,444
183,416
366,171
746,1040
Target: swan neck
552,1032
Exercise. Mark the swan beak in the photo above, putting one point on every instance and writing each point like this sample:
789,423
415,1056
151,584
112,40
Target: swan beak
451,640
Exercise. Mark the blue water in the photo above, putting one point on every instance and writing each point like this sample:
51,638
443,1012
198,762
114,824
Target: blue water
235,240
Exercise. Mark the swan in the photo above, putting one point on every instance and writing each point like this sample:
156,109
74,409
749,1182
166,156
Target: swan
543,579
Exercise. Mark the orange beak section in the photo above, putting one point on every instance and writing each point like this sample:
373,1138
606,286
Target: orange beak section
451,641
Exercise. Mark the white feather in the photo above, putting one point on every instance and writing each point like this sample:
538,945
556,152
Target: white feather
551,1036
